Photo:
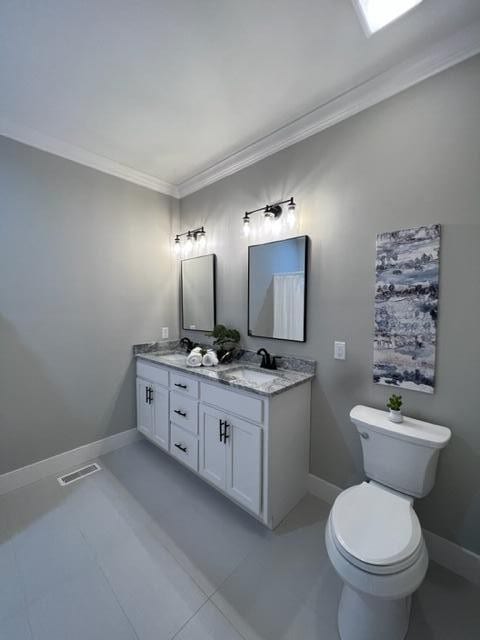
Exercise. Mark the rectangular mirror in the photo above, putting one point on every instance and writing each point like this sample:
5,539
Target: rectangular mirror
198,293
277,289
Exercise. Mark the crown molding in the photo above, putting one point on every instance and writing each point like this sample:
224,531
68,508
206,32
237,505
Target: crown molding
57,147
447,53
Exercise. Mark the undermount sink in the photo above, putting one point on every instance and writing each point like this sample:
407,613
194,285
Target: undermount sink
174,358
244,374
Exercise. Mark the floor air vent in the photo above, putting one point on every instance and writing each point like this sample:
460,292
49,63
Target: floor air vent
78,474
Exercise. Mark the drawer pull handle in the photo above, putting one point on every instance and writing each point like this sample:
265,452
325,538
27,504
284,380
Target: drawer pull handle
182,447
179,384
180,413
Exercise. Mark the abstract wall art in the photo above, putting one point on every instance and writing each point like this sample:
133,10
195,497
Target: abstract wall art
406,308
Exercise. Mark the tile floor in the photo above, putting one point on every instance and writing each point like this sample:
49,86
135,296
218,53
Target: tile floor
143,550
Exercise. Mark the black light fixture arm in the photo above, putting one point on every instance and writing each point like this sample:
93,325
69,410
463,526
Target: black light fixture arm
272,208
275,208
191,233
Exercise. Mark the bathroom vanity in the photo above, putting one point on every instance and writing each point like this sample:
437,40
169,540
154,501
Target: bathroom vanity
244,430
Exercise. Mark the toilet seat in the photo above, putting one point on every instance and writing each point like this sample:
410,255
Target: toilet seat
375,529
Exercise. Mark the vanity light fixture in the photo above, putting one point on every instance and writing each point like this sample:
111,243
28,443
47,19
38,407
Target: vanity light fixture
272,216
193,237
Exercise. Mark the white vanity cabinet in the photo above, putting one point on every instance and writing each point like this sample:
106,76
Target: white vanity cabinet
231,456
144,407
253,448
152,412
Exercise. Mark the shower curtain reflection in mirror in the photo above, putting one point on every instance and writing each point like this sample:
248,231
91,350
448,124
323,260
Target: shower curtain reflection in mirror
288,295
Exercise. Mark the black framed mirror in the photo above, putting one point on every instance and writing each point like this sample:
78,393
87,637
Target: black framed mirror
198,293
277,289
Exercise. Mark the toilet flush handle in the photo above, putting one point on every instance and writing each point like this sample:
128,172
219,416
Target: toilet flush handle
364,435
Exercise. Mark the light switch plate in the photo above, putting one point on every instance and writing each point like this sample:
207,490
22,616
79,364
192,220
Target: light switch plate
164,333
339,351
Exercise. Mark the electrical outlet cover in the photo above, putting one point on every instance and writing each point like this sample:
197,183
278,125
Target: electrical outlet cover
339,350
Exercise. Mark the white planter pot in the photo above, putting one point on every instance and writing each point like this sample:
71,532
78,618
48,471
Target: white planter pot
395,416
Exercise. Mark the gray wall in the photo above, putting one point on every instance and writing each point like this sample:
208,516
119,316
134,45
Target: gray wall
85,272
414,159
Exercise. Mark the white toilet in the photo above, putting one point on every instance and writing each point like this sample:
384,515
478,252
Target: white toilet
373,536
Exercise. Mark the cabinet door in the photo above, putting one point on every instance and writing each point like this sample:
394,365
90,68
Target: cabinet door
212,449
161,421
144,407
244,463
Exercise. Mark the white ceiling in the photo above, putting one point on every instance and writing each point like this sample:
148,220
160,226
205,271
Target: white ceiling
163,90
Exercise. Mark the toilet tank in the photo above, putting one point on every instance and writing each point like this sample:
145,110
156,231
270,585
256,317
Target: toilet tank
400,456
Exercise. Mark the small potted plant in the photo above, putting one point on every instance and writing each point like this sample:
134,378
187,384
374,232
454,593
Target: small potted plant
394,405
226,342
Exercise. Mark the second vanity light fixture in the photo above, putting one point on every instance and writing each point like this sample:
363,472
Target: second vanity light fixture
272,214
193,237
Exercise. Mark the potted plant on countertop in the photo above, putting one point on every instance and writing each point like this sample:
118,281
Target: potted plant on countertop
394,405
226,342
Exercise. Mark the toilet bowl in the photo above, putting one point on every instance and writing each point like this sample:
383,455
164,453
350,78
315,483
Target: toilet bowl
373,537
375,544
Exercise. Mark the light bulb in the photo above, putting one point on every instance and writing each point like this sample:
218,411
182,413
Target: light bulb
202,239
291,219
267,224
188,246
177,246
246,225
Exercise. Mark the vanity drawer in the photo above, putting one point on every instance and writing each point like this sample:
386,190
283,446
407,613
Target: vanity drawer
184,446
152,372
233,402
184,411
184,384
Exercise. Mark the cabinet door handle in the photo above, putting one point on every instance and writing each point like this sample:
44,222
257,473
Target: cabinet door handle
182,386
182,447
225,434
180,413
146,395
222,426
150,395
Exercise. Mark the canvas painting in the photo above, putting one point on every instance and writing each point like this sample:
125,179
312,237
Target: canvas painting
406,308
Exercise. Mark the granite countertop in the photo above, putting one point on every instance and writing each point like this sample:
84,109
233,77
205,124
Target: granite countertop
284,378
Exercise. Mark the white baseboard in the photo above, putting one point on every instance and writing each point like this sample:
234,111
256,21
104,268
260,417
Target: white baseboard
452,556
324,490
446,553
64,461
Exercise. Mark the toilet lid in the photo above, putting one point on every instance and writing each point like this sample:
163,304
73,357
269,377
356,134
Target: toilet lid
375,525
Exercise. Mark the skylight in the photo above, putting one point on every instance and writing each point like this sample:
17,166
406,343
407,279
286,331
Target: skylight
376,14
